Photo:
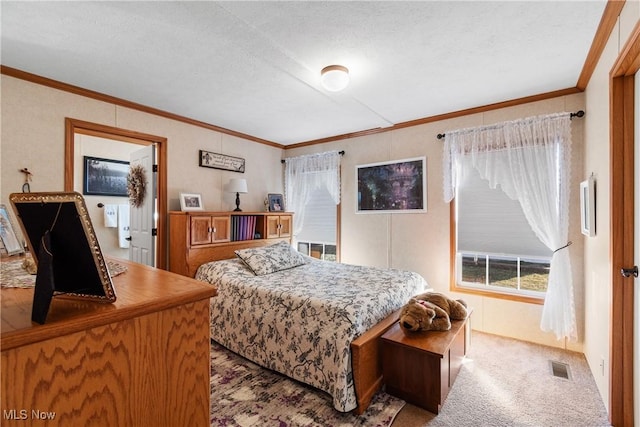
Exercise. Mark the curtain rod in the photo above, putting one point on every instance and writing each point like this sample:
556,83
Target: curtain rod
578,114
339,152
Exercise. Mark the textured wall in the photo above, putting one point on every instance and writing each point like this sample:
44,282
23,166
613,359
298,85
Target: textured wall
33,136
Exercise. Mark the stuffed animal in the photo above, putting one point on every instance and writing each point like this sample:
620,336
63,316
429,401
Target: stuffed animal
431,311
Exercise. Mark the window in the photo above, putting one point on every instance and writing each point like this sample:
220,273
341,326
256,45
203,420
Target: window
496,249
312,191
318,237
530,159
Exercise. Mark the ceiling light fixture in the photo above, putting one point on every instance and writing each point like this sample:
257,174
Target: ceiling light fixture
334,78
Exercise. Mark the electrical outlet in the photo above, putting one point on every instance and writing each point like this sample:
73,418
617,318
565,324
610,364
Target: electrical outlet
602,364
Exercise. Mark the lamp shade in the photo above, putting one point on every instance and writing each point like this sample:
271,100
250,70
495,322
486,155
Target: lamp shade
334,78
237,185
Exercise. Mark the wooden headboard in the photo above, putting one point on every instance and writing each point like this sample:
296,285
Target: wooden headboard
200,237
195,257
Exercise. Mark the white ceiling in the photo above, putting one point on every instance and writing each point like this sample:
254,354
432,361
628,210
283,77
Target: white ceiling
254,67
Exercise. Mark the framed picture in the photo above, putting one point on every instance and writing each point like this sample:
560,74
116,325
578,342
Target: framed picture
389,187
221,161
276,202
588,207
105,177
191,202
69,258
8,234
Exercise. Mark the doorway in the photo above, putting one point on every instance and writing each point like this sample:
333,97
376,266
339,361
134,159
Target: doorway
74,127
622,142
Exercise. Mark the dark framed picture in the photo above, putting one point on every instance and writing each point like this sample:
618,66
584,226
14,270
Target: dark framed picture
388,187
208,159
276,202
105,177
69,259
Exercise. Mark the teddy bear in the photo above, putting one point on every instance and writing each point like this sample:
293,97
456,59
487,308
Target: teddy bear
431,311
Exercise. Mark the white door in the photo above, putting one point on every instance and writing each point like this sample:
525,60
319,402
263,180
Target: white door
143,218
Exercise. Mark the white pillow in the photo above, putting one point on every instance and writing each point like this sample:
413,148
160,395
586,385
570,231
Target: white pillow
269,259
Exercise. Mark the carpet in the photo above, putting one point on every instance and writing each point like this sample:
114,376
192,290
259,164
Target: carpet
506,382
244,394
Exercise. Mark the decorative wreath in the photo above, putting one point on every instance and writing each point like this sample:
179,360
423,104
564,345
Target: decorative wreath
137,185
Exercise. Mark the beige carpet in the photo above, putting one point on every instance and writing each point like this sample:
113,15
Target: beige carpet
506,382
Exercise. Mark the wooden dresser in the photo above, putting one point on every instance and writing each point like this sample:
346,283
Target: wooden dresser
199,237
141,361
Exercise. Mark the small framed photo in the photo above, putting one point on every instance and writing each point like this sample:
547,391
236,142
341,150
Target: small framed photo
8,234
276,203
588,207
105,177
191,202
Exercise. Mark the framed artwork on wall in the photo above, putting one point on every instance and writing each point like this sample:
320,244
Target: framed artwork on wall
398,186
208,159
105,177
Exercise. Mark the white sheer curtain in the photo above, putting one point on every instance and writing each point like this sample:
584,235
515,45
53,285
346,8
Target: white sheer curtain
530,160
303,175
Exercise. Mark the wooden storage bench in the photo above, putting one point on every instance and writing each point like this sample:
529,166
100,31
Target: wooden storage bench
421,367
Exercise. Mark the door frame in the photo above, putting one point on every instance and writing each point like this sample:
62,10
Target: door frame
621,147
73,126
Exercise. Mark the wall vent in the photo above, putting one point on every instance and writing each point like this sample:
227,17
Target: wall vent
560,370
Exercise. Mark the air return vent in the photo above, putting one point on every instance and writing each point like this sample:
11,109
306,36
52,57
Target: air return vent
560,370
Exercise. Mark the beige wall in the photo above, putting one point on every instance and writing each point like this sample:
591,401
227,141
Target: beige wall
33,135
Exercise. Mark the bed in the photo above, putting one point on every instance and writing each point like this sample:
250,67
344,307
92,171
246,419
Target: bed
307,318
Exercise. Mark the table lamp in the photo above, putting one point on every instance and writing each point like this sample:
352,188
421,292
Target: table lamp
237,185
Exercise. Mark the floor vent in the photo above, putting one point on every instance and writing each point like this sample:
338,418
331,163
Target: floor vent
560,370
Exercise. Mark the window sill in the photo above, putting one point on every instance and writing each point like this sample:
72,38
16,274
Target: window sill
498,295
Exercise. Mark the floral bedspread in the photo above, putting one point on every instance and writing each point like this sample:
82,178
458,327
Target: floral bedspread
301,321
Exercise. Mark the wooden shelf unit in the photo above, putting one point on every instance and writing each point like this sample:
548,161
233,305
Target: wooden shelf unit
197,237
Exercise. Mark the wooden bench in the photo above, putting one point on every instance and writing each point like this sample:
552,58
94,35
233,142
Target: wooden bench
421,367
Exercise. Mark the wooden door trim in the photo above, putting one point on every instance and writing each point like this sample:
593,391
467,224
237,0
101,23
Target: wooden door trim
621,147
73,126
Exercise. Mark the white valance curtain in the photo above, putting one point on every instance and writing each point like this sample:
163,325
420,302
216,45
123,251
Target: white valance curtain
530,160
305,174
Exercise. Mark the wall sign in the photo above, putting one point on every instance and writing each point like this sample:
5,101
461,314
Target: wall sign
221,161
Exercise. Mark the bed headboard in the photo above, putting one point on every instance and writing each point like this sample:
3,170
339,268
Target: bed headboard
199,237
195,257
